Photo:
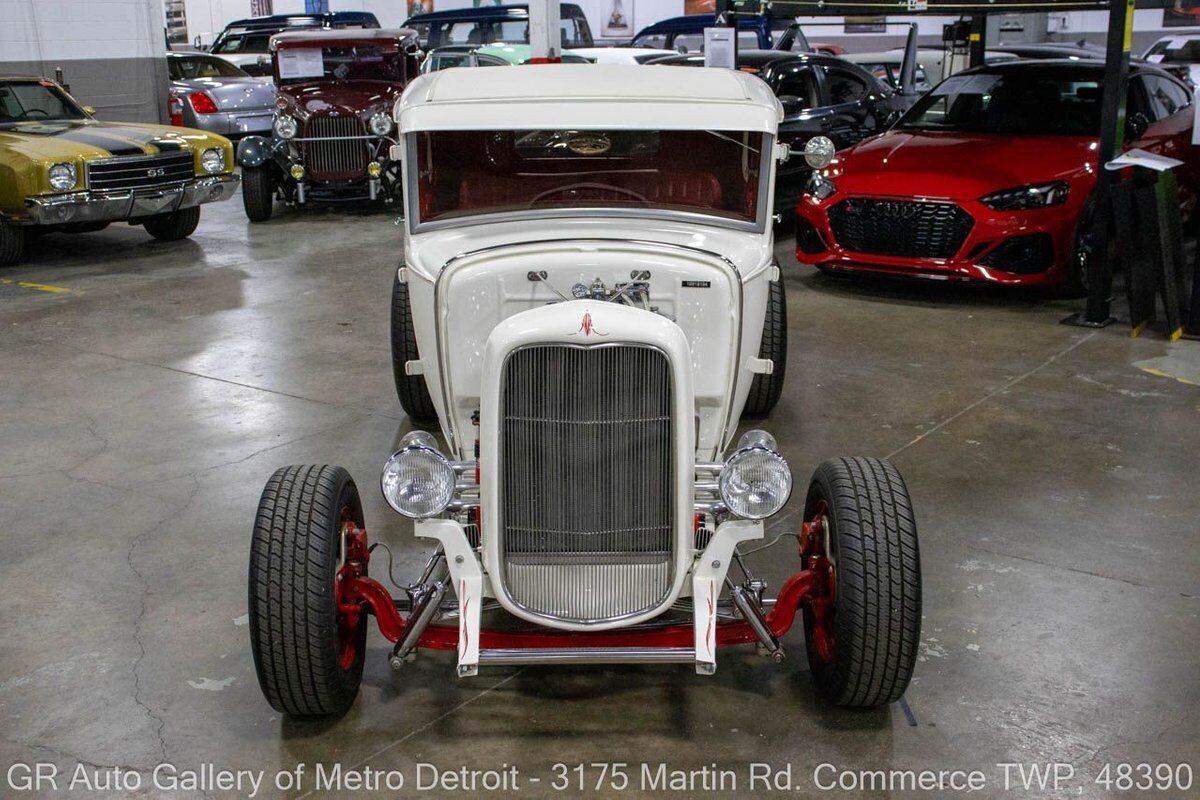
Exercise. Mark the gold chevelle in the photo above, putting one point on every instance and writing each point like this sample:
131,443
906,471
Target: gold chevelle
63,170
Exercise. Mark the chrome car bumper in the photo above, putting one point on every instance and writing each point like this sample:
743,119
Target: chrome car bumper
234,124
128,204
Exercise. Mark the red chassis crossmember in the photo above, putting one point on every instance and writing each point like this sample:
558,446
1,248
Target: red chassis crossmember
813,587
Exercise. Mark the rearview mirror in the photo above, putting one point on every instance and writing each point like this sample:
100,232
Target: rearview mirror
819,152
1136,125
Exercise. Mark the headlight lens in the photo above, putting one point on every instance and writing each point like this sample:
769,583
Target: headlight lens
417,480
1023,198
285,127
820,187
62,177
380,124
755,482
213,160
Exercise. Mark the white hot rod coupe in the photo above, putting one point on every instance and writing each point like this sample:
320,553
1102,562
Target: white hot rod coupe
588,304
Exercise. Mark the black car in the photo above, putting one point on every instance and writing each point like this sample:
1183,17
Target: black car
1072,51
245,41
507,24
822,95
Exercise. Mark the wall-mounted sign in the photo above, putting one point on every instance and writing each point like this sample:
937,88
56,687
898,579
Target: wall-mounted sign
618,22
719,47
261,8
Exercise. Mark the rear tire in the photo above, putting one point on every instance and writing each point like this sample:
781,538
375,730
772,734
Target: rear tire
765,390
862,632
258,193
295,553
410,389
173,226
12,243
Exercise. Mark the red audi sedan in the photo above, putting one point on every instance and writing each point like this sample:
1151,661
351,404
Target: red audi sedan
988,178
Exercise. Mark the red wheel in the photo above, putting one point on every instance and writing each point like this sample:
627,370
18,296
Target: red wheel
862,622
308,641
816,552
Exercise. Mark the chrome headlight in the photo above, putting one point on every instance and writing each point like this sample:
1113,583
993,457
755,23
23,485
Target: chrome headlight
285,127
755,481
213,160
1024,198
380,124
62,177
819,152
417,480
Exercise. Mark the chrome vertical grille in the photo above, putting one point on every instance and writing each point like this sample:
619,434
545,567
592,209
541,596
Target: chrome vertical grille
338,157
587,480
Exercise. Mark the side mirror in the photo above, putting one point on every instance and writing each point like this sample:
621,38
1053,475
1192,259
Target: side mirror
791,104
1136,126
196,42
819,152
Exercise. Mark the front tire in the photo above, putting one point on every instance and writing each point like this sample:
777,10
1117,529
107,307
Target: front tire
410,389
173,226
863,624
258,193
12,243
308,663
766,390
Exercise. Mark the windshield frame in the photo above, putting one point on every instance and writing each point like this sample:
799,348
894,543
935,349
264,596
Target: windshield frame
758,225
53,89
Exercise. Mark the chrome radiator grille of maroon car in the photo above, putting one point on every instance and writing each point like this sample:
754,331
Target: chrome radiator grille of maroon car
339,152
904,228
140,172
586,478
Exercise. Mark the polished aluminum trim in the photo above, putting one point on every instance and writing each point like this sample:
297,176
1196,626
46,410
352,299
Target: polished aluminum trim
589,655
592,592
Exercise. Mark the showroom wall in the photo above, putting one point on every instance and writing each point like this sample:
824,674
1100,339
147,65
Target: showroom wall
111,53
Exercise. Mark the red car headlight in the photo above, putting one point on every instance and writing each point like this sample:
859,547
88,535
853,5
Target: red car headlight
1024,198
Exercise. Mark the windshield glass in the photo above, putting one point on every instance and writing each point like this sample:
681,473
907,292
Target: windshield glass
190,67
36,102
572,33
465,173
1024,102
355,63
243,43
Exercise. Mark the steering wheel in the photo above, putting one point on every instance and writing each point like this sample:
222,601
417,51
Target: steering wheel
560,189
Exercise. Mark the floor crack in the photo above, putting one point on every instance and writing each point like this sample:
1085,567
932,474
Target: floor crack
174,513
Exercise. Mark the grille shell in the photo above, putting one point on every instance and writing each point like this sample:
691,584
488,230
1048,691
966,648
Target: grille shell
586,516
134,172
904,228
343,156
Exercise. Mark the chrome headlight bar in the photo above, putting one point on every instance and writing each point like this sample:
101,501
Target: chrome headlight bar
754,482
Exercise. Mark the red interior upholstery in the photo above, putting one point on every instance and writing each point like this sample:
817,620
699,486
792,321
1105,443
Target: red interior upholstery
679,188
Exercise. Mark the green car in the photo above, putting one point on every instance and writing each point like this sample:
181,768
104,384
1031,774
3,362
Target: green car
489,55
63,170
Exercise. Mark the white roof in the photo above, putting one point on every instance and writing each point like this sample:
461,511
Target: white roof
591,96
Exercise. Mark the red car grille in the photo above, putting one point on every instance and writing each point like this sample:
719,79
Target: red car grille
341,155
904,228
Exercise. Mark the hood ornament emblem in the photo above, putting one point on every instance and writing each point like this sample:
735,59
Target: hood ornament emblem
586,327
